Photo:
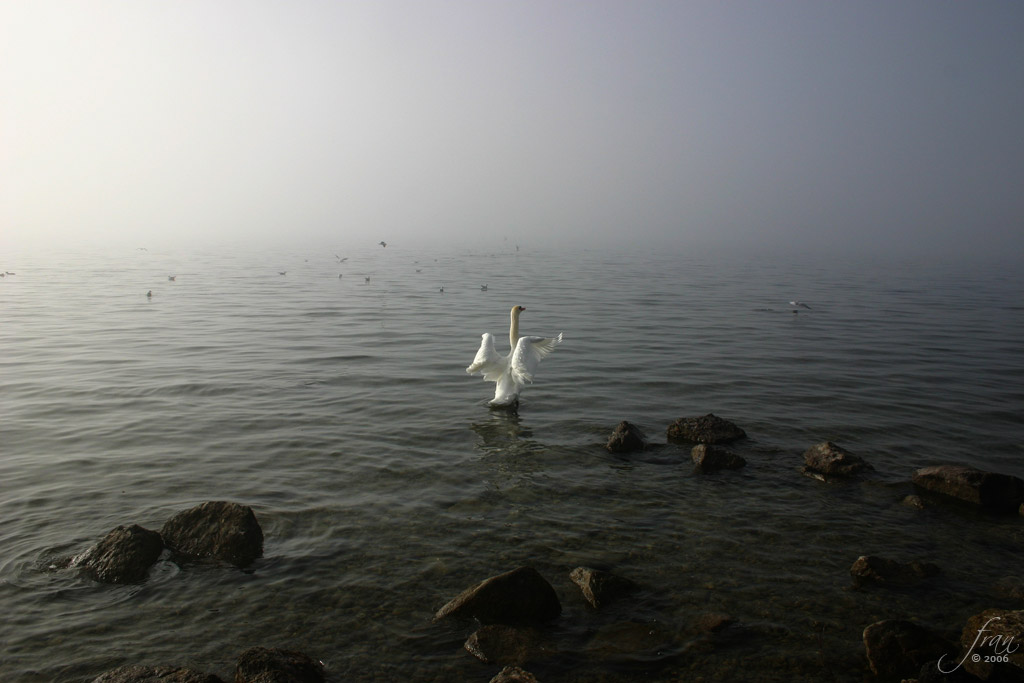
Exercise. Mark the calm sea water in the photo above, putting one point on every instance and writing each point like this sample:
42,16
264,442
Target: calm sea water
340,411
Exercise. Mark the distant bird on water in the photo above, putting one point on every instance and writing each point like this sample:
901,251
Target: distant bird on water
149,294
367,279
510,373
282,272
171,277
339,276
383,243
483,288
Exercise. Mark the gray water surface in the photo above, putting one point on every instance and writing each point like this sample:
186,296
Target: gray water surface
340,411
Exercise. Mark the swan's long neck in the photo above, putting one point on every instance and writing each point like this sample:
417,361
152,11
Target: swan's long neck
513,330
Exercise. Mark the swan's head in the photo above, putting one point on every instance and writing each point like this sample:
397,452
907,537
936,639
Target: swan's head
516,310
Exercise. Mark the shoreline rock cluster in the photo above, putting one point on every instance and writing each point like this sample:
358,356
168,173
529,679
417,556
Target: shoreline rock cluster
896,649
514,611
218,530
515,617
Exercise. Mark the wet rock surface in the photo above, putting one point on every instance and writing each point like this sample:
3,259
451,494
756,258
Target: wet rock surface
1002,493
991,643
600,587
707,459
124,555
830,460
707,429
626,438
514,674
519,596
219,530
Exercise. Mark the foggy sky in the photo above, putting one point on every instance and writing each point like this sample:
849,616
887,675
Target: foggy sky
877,125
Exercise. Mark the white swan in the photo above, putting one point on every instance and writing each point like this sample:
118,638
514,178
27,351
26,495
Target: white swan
510,373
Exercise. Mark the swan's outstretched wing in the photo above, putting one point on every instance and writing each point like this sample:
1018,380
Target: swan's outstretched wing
530,351
487,361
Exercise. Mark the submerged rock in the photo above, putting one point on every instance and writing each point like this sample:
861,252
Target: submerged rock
504,645
1010,587
705,429
519,596
272,665
124,555
712,622
993,640
712,458
626,438
896,648
646,641
220,530
513,674
600,587
998,492
886,572
830,460
913,501
155,674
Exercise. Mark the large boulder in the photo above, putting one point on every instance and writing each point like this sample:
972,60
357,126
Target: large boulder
626,438
708,459
519,596
220,530
830,460
897,649
991,645
600,587
155,674
271,665
124,555
885,572
998,492
704,429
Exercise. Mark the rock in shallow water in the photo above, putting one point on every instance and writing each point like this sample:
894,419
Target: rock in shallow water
272,665
896,648
123,556
993,640
709,459
513,674
220,530
600,587
626,438
705,429
506,645
998,492
885,572
828,459
519,596
155,674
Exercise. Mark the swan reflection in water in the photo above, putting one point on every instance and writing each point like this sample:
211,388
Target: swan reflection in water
505,434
